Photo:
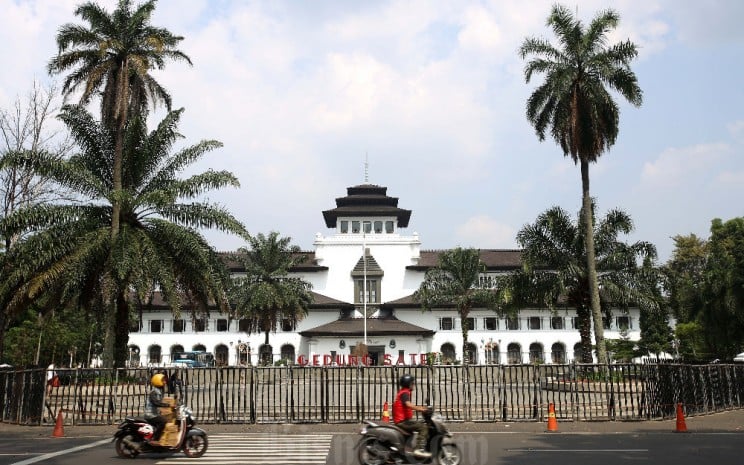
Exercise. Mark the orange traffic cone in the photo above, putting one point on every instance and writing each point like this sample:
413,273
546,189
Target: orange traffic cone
681,425
552,422
385,413
59,429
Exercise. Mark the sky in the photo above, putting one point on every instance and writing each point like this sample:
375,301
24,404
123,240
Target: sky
431,95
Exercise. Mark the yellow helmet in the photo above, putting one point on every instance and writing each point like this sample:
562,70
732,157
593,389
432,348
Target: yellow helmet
158,380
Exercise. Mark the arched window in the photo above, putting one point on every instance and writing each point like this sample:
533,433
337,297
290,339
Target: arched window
220,355
288,353
537,353
174,350
558,353
471,353
514,354
154,354
448,354
199,348
265,355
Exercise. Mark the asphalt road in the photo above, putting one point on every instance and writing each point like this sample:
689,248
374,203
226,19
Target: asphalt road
713,439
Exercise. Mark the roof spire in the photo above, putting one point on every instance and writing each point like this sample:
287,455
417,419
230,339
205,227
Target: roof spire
366,168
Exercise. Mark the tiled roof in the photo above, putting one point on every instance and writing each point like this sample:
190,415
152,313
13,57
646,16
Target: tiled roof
308,262
494,259
375,327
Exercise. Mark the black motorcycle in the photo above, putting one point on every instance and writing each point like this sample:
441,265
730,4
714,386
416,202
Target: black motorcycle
386,443
134,436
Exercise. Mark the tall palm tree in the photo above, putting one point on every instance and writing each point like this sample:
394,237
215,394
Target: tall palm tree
575,105
72,257
456,282
267,294
555,267
113,55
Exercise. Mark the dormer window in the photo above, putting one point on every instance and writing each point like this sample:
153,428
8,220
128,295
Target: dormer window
378,227
389,227
355,227
344,228
367,227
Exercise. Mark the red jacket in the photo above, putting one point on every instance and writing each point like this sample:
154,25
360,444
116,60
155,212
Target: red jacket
400,411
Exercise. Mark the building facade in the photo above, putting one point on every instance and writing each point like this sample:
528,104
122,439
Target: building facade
368,254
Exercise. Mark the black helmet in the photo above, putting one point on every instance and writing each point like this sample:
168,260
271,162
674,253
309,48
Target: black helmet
406,381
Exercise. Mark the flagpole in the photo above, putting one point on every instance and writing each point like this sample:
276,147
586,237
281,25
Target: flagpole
364,287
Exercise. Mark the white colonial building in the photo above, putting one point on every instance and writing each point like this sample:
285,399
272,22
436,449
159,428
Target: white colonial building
368,222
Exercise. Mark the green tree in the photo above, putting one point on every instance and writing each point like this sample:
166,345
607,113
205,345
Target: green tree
112,56
575,106
71,258
456,282
684,277
555,268
723,310
267,294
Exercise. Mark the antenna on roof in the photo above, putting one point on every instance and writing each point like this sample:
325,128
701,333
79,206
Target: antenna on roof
366,168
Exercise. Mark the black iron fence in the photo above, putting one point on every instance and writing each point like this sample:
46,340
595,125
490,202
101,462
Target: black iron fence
478,393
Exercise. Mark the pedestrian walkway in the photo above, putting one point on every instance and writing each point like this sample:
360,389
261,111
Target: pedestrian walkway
260,449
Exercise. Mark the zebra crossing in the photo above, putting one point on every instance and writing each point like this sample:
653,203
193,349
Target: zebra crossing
259,449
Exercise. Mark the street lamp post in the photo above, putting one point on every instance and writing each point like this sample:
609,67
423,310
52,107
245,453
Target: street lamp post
38,345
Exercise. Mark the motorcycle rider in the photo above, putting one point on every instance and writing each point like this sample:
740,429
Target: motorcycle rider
403,410
154,401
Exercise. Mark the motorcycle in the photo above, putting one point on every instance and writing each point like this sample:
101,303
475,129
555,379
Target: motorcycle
134,435
386,443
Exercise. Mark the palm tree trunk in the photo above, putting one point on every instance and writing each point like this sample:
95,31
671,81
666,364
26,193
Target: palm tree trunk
464,328
591,264
584,317
121,331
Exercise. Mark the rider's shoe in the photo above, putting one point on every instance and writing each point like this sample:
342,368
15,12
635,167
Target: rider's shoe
421,454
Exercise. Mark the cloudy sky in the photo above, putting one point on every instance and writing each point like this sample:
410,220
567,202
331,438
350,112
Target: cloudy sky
433,94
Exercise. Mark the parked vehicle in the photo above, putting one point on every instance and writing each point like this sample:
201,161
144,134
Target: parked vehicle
180,434
193,359
739,358
386,443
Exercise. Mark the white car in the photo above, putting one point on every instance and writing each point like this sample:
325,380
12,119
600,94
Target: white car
739,357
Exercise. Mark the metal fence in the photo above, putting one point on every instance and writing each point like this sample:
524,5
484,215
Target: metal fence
478,393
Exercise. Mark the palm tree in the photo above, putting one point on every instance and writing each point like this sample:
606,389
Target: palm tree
555,267
267,294
575,105
456,282
113,56
70,254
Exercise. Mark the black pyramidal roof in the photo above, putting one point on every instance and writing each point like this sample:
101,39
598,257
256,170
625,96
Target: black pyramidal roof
367,200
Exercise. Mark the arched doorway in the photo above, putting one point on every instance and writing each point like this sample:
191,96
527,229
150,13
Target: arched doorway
514,354
558,353
448,354
493,354
471,353
134,356
288,353
578,353
199,348
220,355
265,355
537,353
174,350
154,355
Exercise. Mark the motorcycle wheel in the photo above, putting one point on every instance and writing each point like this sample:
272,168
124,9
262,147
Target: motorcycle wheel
371,452
449,454
195,446
123,450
